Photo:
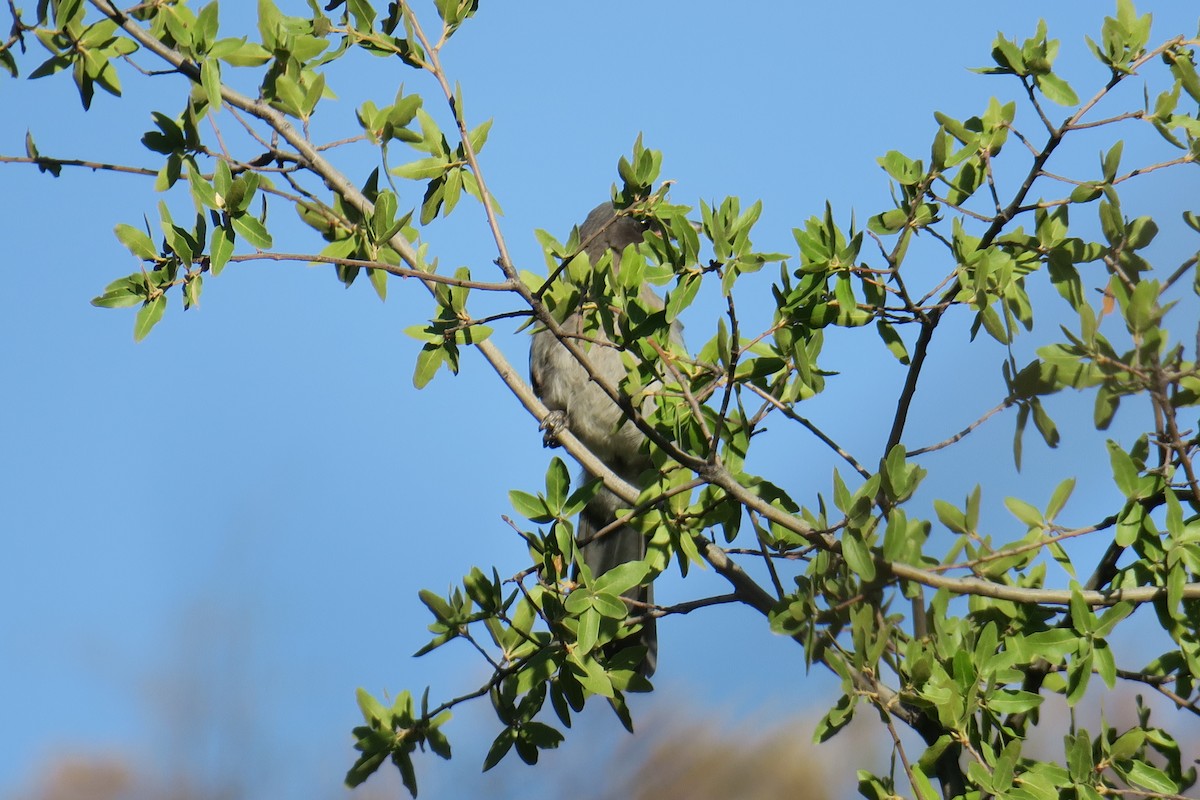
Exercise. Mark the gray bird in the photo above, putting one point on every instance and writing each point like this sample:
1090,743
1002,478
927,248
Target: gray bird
583,407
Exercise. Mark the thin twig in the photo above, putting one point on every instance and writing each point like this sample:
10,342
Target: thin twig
788,412
1004,404
403,272
45,161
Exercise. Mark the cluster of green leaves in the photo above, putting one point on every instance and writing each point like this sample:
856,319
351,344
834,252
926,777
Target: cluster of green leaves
1130,754
545,641
1034,60
971,677
289,54
356,238
977,688
170,265
87,49
447,172
180,260
394,732
449,331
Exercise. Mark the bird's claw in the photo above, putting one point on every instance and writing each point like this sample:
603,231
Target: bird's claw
553,422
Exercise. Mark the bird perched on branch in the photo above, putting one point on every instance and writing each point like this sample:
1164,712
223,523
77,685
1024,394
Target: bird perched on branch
580,405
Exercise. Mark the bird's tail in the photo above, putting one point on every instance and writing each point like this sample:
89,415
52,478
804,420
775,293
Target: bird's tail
613,549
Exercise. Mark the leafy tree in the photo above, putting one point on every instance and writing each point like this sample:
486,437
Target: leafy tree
937,623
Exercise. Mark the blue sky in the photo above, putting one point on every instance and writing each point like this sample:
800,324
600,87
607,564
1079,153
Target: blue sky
214,536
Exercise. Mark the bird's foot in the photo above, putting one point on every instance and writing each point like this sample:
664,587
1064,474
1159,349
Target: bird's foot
553,422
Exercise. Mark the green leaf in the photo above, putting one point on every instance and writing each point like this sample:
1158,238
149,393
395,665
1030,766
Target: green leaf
682,296
591,676
1008,56
1079,674
893,341
1149,777
432,202
950,516
888,222
435,643
437,740
148,316
313,94
1056,89
542,735
530,506
238,193
428,333
1013,701
408,775
429,360
581,497
588,634
1112,162
117,300
123,292
1183,69
900,167
1019,434
1054,645
1127,745
289,96
66,11
1109,619
499,749
858,556
536,671
922,785
1140,233
899,480
1059,499
385,214
432,140
422,169
473,334
558,483
210,81
365,765
191,290
378,278
478,137
1025,512
202,190
1045,426
837,718
1083,619
240,53
220,249
609,605
1085,193
622,578
372,710
169,174
1124,470
1130,523
222,180
253,231
437,605
1079,757
136,241
1105,408
1104,664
